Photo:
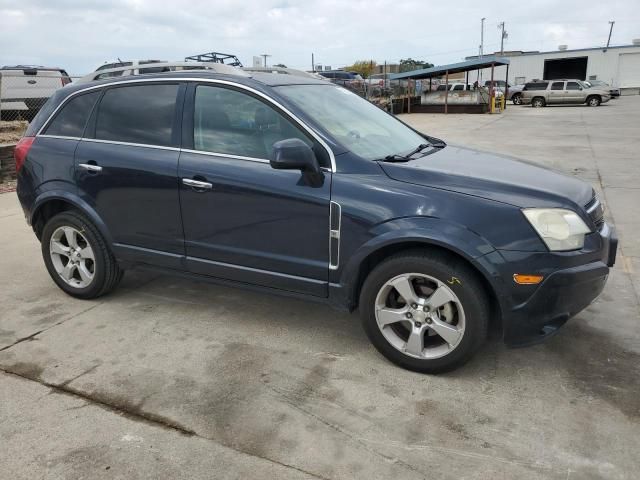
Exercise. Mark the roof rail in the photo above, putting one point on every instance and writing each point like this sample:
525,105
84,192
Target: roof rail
151,68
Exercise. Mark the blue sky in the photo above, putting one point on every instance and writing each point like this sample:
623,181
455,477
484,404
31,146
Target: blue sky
80,35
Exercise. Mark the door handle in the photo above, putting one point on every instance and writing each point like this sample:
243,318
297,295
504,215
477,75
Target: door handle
91,168
197,184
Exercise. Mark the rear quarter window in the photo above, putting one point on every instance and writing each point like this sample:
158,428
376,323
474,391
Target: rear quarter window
72,118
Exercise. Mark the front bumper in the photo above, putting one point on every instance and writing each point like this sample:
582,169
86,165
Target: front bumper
573,280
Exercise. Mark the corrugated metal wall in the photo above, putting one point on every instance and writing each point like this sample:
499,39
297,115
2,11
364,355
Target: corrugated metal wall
605,65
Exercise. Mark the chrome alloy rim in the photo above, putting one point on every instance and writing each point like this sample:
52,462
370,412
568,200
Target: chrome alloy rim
72,257
420,316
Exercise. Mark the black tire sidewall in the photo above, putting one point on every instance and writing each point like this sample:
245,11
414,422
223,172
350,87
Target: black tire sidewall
78,222
462,281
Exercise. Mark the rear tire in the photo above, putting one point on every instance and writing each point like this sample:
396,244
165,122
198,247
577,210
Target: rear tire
594,101
77,256
538,102
517,99
415,333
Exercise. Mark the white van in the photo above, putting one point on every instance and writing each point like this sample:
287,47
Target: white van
25,88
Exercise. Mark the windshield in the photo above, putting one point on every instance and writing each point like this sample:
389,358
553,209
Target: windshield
357,124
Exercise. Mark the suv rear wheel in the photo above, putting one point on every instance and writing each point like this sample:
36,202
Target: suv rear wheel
424,311
593,101
538,102
77,257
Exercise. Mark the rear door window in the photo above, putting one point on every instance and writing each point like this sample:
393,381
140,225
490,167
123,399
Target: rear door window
142,114
557,86
72,118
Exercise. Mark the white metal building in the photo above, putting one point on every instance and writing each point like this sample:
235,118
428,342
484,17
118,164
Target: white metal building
618,66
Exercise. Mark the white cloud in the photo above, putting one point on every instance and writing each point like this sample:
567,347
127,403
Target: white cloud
79,35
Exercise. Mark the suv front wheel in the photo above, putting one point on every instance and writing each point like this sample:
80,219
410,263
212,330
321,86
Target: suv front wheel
425,311
77,257
593,101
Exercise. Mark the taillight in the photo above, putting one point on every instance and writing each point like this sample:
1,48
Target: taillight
21,150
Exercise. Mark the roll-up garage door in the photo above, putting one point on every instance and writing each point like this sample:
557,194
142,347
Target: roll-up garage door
629,75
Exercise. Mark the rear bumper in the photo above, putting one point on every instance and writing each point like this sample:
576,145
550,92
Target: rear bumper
564,292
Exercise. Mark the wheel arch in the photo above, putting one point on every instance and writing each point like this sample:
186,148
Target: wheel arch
51,203
465,246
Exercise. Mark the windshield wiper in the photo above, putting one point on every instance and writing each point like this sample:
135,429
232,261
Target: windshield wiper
405,158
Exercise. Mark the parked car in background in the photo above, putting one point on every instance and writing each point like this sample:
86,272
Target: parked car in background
562,92
455,86
599,84
159,67
296,186
25,88
352,81
515,94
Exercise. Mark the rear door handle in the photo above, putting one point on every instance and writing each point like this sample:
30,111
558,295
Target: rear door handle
197,184
90,167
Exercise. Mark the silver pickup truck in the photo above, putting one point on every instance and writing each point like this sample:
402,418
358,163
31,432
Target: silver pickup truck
558,92
25,88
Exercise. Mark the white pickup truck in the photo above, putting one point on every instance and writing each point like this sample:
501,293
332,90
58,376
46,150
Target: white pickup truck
25,88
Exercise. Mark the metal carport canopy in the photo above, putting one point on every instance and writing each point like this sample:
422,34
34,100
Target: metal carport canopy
484,62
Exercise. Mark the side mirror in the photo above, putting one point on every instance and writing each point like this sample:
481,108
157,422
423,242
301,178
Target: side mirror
294,154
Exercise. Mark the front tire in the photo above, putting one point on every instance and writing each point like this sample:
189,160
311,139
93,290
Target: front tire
77,257
516,99
594,101
425,311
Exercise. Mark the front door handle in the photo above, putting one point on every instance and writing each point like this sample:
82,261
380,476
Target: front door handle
197,184
91,168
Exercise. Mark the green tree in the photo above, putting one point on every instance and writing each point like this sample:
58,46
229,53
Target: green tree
363,67
408,64
280,65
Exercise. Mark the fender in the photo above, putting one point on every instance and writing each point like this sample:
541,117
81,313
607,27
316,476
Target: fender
429,231
76,201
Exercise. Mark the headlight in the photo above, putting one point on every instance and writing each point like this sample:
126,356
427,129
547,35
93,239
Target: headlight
560,229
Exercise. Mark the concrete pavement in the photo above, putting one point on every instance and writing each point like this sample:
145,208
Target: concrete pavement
170,378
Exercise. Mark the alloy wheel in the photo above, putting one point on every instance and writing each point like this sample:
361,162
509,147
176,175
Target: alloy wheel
72,257
420,316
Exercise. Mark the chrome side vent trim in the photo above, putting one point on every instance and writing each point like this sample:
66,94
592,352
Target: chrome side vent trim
335,220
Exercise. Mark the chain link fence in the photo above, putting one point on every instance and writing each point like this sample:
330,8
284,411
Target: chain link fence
24,90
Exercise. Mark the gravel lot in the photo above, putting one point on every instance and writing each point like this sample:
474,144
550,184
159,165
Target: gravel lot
170,378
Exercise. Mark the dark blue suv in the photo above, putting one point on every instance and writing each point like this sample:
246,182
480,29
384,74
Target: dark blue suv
299,187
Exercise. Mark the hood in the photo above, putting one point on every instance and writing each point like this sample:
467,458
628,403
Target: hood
492,176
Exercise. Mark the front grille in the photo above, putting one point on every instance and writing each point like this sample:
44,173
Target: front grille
595,210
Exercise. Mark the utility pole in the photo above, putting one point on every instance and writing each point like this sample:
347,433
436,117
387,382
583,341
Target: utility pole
482,36
610,31
313,65
503,35
265,55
